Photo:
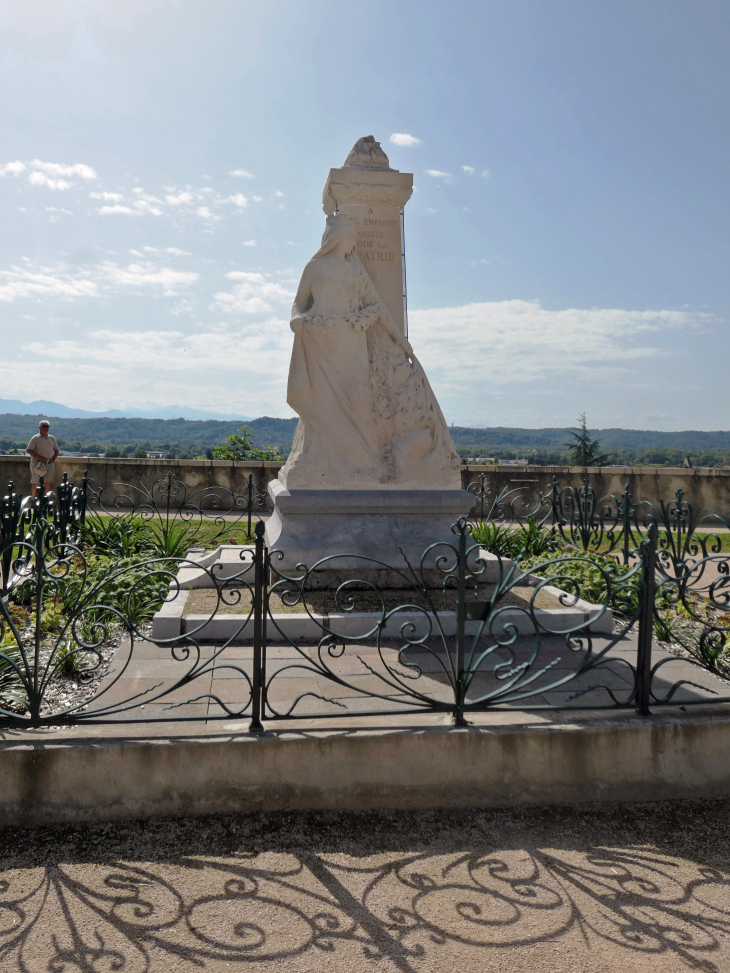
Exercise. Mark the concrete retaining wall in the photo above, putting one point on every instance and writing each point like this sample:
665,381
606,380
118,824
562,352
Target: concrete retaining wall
609,760
708,490
197,475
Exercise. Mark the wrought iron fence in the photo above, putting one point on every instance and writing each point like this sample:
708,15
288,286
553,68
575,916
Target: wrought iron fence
173,515
462,632
169,503
63,515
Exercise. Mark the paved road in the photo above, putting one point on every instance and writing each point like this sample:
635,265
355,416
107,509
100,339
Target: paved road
588,889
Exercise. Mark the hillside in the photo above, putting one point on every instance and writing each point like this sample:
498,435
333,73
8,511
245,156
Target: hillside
197,436
157,433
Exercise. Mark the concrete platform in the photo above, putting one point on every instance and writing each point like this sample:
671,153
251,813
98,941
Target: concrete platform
93,773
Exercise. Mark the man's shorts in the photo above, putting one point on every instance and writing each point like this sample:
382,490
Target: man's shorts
48,478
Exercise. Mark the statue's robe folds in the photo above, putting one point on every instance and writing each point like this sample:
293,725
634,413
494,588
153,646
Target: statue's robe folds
368,416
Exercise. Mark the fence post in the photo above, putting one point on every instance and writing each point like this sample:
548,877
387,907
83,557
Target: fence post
646,621
554,500
460,627
626,510
84,497
256,726
9,521
250,504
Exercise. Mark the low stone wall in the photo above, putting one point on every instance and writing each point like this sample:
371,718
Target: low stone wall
708,490
199,476
50,781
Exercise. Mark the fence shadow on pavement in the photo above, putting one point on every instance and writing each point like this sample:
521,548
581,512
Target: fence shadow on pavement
495,891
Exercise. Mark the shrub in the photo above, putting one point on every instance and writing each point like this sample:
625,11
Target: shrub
528,540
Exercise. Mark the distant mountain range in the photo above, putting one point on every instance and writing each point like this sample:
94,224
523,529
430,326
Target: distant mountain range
56,410
200,434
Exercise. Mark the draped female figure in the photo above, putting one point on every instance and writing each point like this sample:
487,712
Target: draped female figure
368,416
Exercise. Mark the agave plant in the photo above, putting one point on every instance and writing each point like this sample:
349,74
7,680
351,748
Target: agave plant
116,536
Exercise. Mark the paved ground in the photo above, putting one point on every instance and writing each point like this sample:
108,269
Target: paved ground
359,677
587,889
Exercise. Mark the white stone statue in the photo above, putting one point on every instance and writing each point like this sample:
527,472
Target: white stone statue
368,416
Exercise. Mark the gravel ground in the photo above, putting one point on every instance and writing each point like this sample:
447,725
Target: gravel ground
64,691
592,888
205,600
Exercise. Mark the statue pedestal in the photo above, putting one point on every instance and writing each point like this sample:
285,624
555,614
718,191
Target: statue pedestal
347,526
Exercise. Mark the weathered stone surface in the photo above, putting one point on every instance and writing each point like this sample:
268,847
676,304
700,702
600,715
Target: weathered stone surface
52,780
369,419
385,525
373,194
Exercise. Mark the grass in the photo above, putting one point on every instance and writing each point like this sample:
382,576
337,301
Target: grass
206,534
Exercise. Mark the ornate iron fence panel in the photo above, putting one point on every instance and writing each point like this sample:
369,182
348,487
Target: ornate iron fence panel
461,632
455,634
62,513
172,510
64,613
507,506
692,593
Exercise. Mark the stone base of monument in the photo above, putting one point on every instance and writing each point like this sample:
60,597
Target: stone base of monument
353,528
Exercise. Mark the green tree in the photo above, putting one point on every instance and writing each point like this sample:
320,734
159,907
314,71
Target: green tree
240,446
585,451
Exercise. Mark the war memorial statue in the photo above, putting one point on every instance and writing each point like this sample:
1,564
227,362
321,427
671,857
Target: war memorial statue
373,470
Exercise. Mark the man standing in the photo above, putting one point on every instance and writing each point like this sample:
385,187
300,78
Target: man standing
43,450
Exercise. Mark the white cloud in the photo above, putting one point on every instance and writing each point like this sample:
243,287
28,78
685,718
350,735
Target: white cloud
520,341
115,210
487,173
108,366
278,193
257,199
52,175
93,280
262,347
20,282
249,243
207,214
139,275
140,204
255,294
173,250
55,169
13,168
404,140
438,174
238,199
148,204
243,173
41,179
469,170
179,200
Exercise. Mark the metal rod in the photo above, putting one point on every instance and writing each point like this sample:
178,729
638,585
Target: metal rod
250,503
256,726
460,627
646,622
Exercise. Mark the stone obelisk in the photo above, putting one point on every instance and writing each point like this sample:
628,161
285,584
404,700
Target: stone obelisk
374,195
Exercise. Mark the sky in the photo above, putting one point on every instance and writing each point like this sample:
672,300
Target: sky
568,239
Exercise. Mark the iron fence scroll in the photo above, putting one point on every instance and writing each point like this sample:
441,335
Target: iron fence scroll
462,631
